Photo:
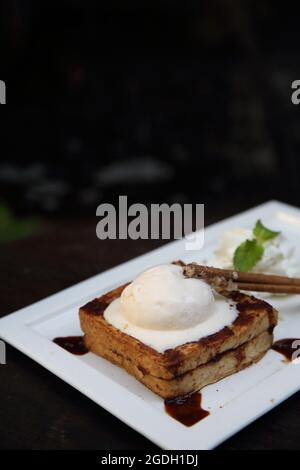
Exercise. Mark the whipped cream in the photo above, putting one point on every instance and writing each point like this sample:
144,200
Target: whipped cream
278,257
163,309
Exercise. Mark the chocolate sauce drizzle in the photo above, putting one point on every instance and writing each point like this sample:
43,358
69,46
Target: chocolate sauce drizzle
72,344
187,409
288,347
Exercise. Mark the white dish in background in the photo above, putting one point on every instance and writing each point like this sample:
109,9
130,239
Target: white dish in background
234,402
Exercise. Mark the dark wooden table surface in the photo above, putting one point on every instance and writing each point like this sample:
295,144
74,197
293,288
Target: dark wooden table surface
40,411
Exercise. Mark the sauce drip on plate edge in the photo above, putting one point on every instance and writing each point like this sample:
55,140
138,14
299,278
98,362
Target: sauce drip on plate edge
288,347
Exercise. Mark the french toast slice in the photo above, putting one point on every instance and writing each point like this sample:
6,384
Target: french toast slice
190,366
217,368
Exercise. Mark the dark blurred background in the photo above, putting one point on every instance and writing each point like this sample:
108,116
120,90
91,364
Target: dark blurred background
185,102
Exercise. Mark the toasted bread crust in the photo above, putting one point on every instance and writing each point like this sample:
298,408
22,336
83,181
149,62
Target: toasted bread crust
216,369
254,318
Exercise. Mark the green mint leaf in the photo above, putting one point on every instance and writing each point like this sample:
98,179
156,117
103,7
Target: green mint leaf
247,255
262,233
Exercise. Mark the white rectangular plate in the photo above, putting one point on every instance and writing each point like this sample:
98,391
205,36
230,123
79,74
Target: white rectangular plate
233,402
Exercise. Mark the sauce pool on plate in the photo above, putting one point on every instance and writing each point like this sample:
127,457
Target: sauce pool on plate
187,410
72,344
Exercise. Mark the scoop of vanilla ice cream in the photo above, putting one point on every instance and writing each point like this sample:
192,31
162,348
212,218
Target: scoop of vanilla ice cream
161,298
163,309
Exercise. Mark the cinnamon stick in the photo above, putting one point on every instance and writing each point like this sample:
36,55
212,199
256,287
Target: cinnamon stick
246,281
